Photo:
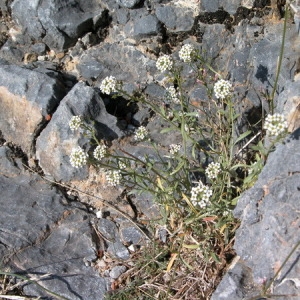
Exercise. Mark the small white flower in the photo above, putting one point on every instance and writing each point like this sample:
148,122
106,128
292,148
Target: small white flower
78,157
113,177
222,88
174,148
108,85
141,133
170,115
164,63
200,195
100,152
75,123
275,124
172,95
186,52
213,170
122,165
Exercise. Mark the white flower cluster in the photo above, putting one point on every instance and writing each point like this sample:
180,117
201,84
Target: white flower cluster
275,124
108,85
113,177
100,152
172,95
141,133
200,195
212,170
222,88
174,148
164,63
75,123
122,165
186,52
78,157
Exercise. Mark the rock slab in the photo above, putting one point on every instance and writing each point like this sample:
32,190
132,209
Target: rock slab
51,236
270,226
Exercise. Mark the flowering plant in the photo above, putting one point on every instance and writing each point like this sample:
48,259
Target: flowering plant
197,178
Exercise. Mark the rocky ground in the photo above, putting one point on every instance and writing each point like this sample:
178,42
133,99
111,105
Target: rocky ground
66,224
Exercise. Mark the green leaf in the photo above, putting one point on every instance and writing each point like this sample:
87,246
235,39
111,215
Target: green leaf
192,114
178,168
190,267
195,246
165,130
235,201
215,257
241,137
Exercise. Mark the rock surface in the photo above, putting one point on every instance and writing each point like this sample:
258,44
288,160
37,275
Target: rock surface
58,23
26,98
52,61
51,235
269,229
55,143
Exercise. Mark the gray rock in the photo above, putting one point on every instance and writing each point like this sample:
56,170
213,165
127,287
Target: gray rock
128,3
235,53
228,5
145,203
108,229
90,68
176,19
288,103
122,16
146,26
26,98
49,236
5,7
39,48
55,143
11,52
58,24
270,222
236,283
118,250
117,271
124,62
131,235
8,166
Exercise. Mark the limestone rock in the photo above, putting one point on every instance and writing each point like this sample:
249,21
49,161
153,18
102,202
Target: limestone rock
58,23
228,5
49,236
123,61
146,26
128,3
26,98
270,223
55,143
176,19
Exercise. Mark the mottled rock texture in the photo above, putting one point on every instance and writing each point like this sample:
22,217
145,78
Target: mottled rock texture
270,227
53,58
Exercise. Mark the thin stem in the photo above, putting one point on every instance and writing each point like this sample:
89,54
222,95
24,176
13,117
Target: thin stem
34,282
279,270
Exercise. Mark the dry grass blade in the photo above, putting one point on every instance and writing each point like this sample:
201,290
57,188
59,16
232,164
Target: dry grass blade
11,297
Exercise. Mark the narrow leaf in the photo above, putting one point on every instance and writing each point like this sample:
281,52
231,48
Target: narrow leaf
171,262
165,130
241,137
191,246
